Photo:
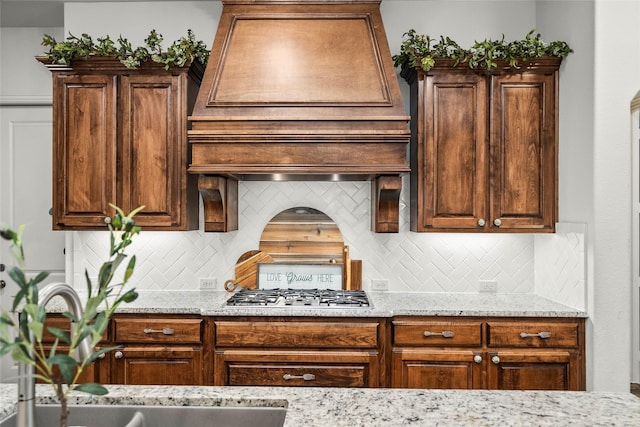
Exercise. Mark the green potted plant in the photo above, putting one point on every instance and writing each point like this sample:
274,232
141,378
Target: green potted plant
421,51
180,53
23,338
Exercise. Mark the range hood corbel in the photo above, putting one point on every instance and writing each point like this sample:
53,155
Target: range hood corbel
299,90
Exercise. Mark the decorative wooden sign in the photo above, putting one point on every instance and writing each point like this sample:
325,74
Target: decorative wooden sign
299,276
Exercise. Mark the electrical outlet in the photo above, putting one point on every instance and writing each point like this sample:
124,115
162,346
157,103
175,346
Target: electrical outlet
208,283
489,286
379,285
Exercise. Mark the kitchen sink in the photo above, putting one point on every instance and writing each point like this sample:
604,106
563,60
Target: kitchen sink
157,416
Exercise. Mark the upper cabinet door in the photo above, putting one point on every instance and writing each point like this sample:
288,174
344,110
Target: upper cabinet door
84,153
152,153
453,157
523,188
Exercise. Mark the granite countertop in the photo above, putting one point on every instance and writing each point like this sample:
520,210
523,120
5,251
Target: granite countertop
320,407
384,304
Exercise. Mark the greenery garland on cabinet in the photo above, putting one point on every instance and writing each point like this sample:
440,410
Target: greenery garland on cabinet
180,53
421,51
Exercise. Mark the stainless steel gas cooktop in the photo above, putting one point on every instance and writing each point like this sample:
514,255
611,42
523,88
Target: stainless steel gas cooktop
301,298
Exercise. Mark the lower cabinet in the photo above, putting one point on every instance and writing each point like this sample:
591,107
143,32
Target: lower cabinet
528,354
519,354
450,369
157,351
532,370
402,352
299,352
436,354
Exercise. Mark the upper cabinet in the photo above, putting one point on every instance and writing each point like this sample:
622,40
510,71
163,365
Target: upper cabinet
120,137
484,147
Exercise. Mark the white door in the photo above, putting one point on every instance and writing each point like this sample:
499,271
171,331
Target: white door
25,198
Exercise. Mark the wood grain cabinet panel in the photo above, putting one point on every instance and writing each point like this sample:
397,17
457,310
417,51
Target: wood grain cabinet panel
494,353
532,370
168,330
437,333
157,365
533,354
120,136
323,368
532,334
157,350
436,368
338,352
484,148
84,149
346,334
524,151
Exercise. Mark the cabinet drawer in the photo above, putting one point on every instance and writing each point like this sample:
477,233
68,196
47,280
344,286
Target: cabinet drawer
532,334
293,375
297,334
60,322
308,368
185,331
437,333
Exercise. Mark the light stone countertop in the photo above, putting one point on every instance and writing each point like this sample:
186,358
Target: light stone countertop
384,304
335,407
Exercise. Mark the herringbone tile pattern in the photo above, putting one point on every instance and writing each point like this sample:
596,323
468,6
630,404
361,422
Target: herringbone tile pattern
560,265
428,262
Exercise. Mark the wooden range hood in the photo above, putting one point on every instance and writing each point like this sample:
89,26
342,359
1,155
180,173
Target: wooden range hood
299,90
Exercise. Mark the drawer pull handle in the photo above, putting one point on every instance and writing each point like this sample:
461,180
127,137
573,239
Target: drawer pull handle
165,331
543,335
444,334
305,377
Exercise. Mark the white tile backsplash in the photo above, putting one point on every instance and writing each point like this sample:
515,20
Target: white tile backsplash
423,262
560,265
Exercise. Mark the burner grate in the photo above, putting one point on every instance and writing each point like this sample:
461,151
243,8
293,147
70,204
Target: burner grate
303,298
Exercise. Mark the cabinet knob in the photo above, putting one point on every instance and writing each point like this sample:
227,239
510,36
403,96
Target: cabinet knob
118,355
497,222
495,359
477,358
107,220
481,222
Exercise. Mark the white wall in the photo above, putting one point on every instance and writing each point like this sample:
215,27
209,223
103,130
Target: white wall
134,20
22,79
617,79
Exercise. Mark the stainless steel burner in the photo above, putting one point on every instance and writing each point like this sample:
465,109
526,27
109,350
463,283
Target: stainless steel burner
302,298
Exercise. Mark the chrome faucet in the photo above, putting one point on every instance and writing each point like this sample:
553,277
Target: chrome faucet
26,372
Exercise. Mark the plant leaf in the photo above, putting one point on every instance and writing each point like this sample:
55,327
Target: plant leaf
20,354
130,267
66,364
91,388
60,334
